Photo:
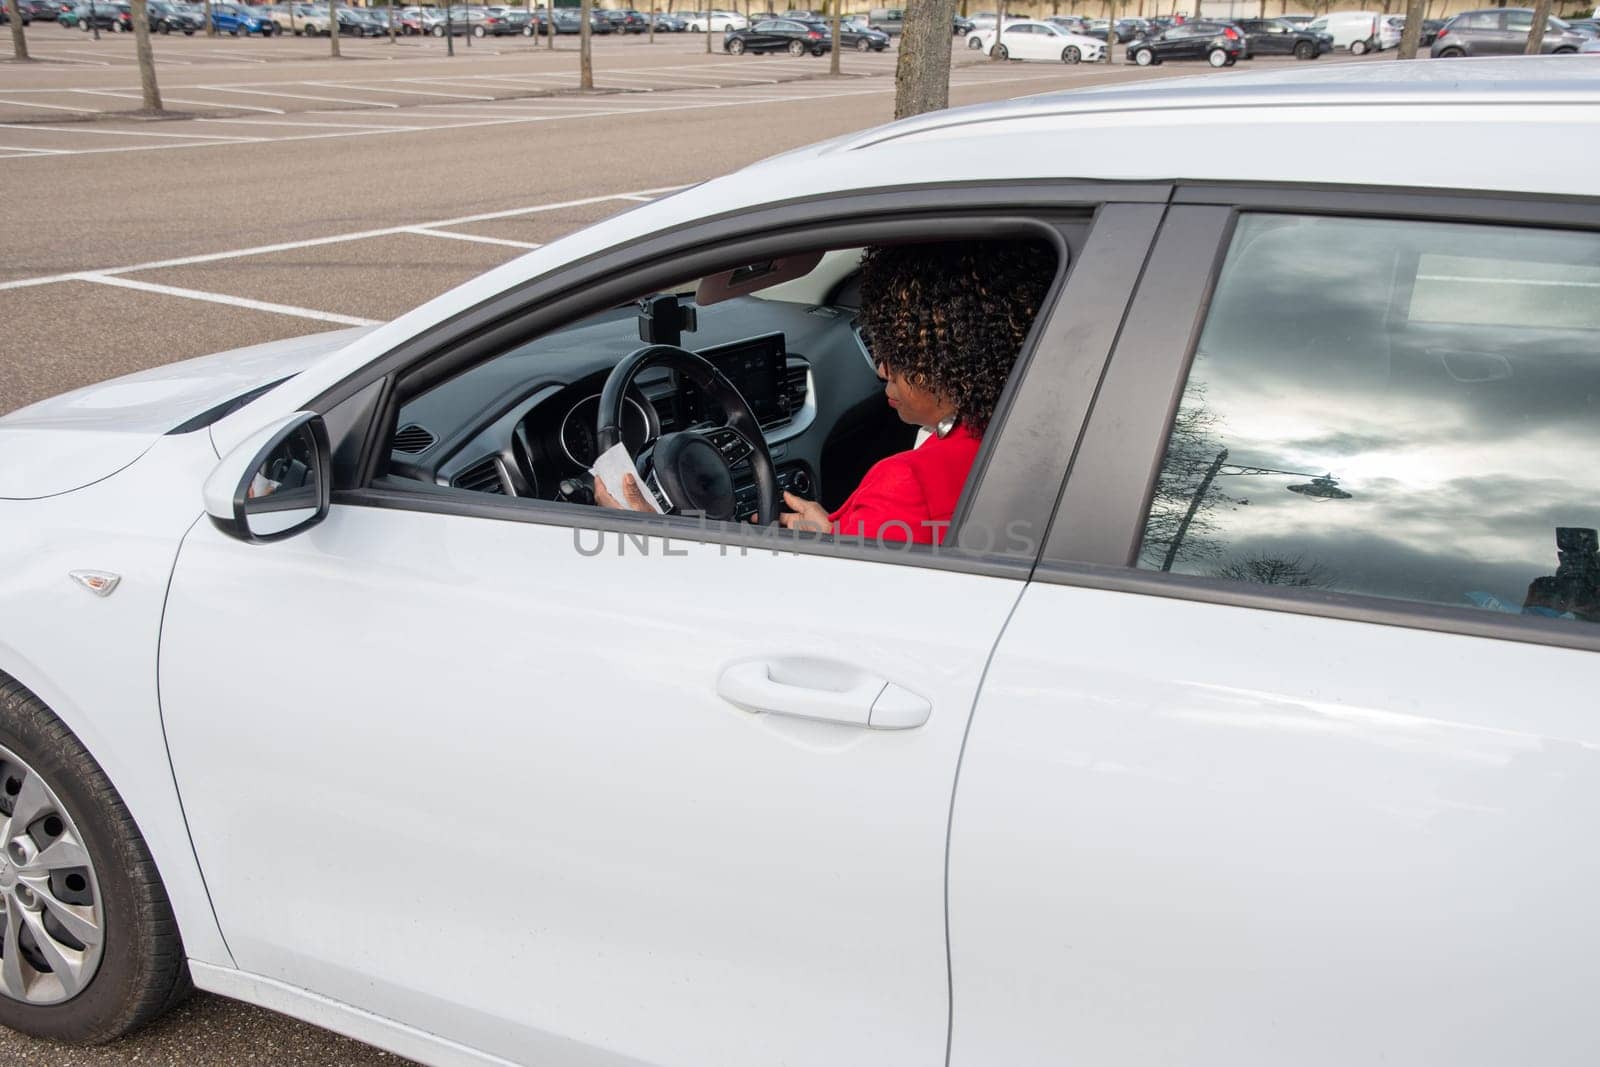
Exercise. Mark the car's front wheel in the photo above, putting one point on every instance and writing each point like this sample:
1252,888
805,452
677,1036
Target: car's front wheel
863,45
736,46
1305,50
1070,54
90,948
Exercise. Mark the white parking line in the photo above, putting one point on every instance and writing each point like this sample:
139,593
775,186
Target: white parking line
106,273
174,100
291,96
231,301
86,129
34,151
311,125
425,231
400,92
54,107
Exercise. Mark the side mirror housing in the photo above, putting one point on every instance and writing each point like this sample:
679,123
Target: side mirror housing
275,483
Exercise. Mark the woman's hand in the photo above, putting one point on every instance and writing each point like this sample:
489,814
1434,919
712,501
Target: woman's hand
632,496
804,514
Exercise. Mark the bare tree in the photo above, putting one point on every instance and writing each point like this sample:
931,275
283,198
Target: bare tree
19,40
333,27
1273,570
147,61
922,70
833,60
585,58
1541,17
1411,36
997,50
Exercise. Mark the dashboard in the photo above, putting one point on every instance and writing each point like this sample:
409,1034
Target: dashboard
524,423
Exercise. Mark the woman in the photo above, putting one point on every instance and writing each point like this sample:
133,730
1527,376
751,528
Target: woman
945,323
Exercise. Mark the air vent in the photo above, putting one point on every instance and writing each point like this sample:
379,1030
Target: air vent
797,385
481,477
413,439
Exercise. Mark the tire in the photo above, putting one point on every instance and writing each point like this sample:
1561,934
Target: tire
141,971
1358,48
1217,57
974,43
1563,51
863,45
164,30
1001,51
188,33
735,46
1305,50
796,49
527,31
479,31
1451,53
1071,55
238,31
437,31
1144,58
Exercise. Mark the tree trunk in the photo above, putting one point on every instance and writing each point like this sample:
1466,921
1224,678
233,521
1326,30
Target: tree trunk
19,39
922,69
1541,17
708,27
650,19
999,32
391,21
1411,36
833,59
585,59
211,27
333,28
147,61
550,10
1111,36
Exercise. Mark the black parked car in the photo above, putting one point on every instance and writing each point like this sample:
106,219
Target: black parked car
855,33
38,10
1218,44
780,35
169,18
962,26
1276,37
5,14
671,24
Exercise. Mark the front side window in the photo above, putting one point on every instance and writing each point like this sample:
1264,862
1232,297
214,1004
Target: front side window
1401,409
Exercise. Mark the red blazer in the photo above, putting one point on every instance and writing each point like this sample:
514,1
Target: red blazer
910,496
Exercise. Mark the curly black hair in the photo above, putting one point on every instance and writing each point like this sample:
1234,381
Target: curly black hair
951,317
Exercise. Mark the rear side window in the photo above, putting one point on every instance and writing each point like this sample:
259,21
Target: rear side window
1407,410
1481,20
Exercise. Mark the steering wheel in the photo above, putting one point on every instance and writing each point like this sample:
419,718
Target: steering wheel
694,468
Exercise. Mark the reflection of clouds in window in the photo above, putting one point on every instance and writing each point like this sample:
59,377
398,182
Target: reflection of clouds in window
1351,348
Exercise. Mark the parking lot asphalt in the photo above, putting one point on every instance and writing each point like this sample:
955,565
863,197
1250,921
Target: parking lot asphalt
268,213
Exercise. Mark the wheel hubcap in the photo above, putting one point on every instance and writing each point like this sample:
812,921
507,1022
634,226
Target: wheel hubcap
54,926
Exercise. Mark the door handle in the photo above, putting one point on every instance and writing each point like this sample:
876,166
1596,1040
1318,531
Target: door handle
823,692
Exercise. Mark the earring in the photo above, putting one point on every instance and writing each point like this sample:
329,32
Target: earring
944,427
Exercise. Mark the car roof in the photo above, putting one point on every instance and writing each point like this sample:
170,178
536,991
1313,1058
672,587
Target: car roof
1417,124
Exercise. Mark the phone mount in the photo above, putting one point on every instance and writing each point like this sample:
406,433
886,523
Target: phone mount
662,320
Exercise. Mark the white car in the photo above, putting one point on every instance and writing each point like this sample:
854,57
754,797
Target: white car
1359,31
719,21
1244,716
1040,41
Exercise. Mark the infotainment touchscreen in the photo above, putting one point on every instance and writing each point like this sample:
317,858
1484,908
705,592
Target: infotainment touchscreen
755,366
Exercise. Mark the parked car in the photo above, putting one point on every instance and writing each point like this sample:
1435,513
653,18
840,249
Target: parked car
671,23
1040,42
1500,31
5,13
888,20
1359,31
1219,45
1590,47
960,27
1127,29
716,22
42,10
1276,37
104,16
858,35
170,18
780,35
240,21
312,20
1284,661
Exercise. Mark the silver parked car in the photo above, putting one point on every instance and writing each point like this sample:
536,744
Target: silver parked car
1501,31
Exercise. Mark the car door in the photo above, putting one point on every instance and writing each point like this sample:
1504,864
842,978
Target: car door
1291,728
474,770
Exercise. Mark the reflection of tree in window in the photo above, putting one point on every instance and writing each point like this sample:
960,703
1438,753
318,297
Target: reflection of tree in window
1180,525
1574,589
1272,570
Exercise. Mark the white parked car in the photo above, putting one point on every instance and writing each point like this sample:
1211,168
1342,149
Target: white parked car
1263,637
1040,41
719,21
1359,31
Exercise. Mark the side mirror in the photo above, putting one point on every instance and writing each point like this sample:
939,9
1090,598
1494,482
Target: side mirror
277,482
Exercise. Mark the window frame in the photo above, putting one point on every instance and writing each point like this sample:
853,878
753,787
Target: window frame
1123,217
1098,524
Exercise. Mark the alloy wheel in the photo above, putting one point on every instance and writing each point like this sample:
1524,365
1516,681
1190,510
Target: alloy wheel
54,925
